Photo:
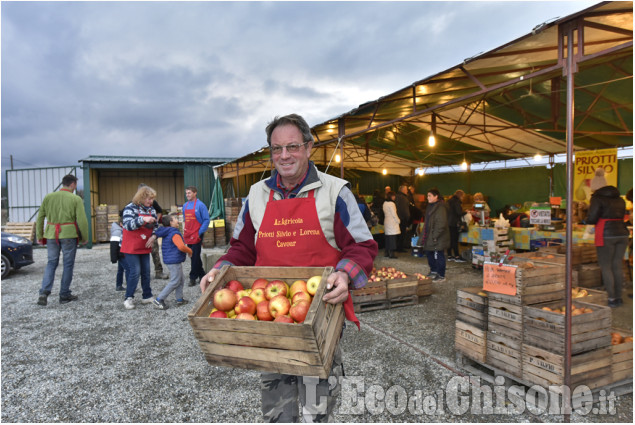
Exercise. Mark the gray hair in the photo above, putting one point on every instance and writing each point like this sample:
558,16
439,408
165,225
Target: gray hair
291,119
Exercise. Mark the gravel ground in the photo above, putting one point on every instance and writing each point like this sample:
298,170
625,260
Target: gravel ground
94,361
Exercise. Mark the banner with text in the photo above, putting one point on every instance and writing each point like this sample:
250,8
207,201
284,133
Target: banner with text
599,166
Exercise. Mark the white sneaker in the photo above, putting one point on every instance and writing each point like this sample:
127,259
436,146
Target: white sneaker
147,300
129,303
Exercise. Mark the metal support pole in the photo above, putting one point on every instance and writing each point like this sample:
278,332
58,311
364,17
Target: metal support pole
569,229
341,130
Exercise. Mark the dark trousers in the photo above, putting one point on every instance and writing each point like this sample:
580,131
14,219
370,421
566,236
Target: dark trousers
402,237
436,261
454,242
196,270
610,260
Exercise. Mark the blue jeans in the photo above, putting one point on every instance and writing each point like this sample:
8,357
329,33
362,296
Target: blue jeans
69,248
138,266
122,270
436,261
177,279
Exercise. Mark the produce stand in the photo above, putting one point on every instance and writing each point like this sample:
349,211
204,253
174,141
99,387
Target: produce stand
523,237
523,338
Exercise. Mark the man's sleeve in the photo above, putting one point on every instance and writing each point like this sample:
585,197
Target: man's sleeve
353,238
203,218
39,227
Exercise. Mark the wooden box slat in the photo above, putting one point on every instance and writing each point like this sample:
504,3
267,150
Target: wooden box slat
373,291
300,349
24,229
622,357
397,288
535,283
424,287
504,353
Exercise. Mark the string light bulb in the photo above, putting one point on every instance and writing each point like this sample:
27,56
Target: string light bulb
464,165
420,171
432,140
384,171
537,157
338,158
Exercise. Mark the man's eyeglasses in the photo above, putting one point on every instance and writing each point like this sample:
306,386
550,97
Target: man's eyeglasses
294,148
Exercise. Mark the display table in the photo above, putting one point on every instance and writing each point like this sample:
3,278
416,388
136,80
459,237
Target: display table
521,236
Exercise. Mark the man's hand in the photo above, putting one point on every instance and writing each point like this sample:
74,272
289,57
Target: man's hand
208,278
339,282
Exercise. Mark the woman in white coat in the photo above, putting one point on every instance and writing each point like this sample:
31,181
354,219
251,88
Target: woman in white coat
391,225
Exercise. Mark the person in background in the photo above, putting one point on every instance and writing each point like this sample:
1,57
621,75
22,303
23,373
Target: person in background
66,226
476,214
116,257
322,209
139,226
377,205
195,224
174,251
403,211
607,211
391,225
455,214
156,255
363,208
415,213
435,237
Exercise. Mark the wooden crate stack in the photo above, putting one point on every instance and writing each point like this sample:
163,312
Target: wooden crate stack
232,210
209,237
622,357
24,229
535,283
370,297
113,216
470,337
102,233
544,341
385,294
220,238
305,349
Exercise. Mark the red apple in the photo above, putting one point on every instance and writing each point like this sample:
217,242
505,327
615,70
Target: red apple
299,310
245,305
245,316
275,287
260,283
262,311
218,313
258,295
312,284
284,319
225,299
279,305
301,296
297,286
234,285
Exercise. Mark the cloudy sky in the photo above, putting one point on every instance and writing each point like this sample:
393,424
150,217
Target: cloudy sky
203,79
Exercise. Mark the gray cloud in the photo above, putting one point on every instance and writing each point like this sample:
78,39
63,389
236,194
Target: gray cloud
204,78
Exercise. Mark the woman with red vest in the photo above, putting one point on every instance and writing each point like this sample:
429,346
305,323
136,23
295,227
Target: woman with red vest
607,211
139,225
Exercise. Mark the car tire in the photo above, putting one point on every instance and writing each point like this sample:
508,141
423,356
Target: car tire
6,266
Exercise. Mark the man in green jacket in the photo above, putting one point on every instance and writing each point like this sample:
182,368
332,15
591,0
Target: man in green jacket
66,226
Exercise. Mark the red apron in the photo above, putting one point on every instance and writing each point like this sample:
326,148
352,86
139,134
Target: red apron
58,226
290,235
599,230
191,225
134,242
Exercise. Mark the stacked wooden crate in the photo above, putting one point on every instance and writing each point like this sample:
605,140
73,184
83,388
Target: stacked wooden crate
220,238
622,356
232,209
102,233
544,344
470,338
113,216
26,229
535,283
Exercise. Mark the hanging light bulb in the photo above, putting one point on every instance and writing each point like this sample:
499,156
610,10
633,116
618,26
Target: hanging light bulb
420,171
384,171
537,157
464,165
338,158
433,133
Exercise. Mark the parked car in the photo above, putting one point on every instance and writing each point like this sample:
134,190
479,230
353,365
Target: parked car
17,252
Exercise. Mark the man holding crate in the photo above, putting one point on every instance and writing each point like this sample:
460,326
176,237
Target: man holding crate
298,199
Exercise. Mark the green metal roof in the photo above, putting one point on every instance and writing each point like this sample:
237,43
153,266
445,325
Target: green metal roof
505,104
91,159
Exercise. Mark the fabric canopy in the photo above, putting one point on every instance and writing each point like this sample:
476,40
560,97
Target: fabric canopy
508,103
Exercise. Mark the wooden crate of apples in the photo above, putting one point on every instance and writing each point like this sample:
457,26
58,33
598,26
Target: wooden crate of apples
543,326
622,354
399,285
270,319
